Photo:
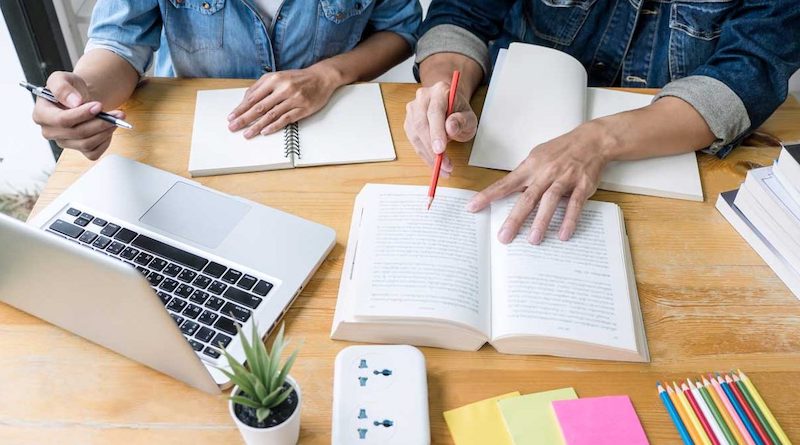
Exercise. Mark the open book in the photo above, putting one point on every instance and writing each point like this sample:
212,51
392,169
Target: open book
351,128
537,94
440,278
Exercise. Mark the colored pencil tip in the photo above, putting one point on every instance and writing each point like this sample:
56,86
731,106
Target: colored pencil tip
430,201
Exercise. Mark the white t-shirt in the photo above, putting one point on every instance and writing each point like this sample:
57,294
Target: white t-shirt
268,9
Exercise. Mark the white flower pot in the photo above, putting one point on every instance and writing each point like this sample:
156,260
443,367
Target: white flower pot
287,433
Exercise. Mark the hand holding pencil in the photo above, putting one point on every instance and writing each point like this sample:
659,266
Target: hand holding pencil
437,166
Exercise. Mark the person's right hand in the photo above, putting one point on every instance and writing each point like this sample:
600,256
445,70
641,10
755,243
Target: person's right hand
74,125
427,128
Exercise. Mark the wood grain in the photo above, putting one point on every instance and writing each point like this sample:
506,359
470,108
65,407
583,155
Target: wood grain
709,302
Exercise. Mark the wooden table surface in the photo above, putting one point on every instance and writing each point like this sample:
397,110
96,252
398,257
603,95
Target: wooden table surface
709,303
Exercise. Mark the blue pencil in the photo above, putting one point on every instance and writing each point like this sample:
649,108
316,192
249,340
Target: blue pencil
674,415
740,411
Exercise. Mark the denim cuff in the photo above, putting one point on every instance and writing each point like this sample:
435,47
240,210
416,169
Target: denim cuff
718,104
453,39
140,57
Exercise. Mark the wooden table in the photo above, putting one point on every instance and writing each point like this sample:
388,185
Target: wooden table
709,303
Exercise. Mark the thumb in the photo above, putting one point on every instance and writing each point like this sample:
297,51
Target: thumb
69,88
461,126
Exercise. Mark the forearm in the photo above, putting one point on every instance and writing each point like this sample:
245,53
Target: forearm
371,58
439,67
110,78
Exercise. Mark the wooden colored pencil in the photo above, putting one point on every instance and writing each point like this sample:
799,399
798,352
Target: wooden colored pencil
762,434
698,427
699,413
673,414
687,421
737,419
740,411
756,409
719,399
712,422
764,408
715,411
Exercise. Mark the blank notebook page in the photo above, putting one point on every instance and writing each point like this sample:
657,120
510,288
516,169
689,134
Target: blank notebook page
599,421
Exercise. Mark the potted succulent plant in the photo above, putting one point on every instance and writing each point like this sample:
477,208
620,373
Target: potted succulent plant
265,403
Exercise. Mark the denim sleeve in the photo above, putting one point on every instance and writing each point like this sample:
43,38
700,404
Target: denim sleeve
130,29
747,77
402,17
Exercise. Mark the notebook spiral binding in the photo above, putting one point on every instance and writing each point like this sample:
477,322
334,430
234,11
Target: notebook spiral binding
291,140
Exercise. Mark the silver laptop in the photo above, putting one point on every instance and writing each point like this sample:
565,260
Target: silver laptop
159,268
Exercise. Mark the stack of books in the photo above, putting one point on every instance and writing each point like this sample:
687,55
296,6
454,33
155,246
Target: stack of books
765,210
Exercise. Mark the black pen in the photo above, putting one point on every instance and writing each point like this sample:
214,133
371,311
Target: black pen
45,94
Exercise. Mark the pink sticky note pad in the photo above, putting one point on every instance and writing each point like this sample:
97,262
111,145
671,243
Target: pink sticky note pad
599,421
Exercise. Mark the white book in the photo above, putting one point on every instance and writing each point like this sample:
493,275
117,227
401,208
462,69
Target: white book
787,170
537,94
351,128
788,274
440,278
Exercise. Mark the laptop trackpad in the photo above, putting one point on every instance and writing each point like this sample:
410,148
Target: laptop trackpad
195,214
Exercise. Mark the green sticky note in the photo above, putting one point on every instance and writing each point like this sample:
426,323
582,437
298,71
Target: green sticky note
530,419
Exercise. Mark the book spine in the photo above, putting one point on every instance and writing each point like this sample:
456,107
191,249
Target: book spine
291,140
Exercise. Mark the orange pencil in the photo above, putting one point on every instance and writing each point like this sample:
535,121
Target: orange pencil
438,164
684,416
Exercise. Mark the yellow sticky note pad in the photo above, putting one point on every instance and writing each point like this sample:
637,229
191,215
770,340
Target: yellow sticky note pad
479,423
530,418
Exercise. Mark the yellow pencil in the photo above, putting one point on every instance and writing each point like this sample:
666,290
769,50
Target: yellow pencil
725,415
682,414
764,409
702,438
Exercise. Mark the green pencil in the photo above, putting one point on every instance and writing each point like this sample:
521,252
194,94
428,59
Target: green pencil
715,412
749,397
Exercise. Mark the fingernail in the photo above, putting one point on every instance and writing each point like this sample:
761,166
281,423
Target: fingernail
472,206
266,131
505,236
438,146
73,100
232,126
94,109
231,116
248,134
535,236
565,234
447,165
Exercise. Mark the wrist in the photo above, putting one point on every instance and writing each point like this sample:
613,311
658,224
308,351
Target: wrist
608,136
332,76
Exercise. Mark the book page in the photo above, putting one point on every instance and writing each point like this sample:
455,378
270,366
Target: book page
412,263
575,290
351,128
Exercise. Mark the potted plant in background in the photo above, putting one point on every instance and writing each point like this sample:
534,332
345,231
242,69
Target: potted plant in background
265,403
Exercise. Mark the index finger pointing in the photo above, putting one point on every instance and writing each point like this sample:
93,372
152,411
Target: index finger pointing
510,183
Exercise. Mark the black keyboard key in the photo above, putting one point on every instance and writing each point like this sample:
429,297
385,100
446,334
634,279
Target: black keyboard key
171,253
262,288
199,297
164,297
155,278
204,334
129,253
184,290
192,311
215,303
125,235
247,282
208,318
87,237
142,270
201,281
81,221
172,270
215,269
66,228
232,276
143,258
225,324
169,285
101,242
157,264
178,319
196,345
189,327
87,216
235,311
99,222
217,287
176,305
109,230
211,352
73,212
221,341
187,275
115,248
242,297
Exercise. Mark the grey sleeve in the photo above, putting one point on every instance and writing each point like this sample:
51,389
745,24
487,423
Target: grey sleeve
720,106
453,39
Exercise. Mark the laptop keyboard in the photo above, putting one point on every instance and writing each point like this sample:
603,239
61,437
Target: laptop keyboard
206,299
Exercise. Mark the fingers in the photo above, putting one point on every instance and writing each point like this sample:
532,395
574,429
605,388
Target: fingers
69,88
264,107
510,183
547,207
256,93
461,126
573,213
286,114
417,129
91,147
435,116
519,213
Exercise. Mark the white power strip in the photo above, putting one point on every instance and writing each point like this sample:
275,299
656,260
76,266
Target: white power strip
380,396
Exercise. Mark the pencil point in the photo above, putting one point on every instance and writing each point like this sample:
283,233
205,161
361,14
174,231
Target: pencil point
430,201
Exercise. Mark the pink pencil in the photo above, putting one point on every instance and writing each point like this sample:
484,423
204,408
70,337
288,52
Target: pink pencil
739,425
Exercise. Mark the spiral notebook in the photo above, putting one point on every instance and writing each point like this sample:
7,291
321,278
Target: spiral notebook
351,128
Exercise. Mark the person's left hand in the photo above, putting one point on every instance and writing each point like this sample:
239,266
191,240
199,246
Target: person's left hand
281,98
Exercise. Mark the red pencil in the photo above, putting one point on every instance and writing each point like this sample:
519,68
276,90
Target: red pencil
747,410
699,414
438,165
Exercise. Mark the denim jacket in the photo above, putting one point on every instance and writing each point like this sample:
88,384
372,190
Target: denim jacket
227,38
730,59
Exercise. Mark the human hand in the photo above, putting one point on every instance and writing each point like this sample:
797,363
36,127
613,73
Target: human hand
569,165
429,129
75,126
279,99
